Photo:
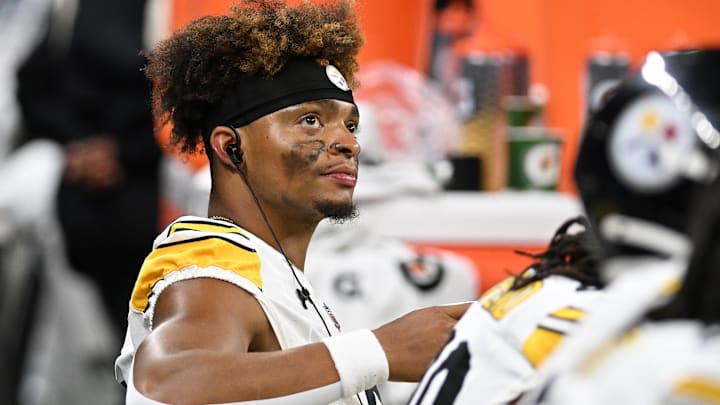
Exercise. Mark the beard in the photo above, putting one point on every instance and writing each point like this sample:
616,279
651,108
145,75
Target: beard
337,212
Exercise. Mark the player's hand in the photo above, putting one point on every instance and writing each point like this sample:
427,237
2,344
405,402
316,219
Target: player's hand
413,340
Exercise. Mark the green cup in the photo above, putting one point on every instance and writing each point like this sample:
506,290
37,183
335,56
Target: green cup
533,158
522,111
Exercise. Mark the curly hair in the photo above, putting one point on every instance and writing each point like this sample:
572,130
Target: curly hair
194,69
569,255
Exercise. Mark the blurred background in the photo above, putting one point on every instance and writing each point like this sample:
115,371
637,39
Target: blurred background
471,112
519,76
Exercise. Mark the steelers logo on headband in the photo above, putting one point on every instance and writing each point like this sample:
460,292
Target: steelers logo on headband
336,78
301,80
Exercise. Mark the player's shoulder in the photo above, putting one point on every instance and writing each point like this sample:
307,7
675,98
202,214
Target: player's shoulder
538,297
196,247
194,228
539,315
203,242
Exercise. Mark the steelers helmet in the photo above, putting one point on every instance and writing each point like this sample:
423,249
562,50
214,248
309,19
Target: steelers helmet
647,151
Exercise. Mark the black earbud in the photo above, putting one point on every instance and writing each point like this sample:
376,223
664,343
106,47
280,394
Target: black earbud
236,154
234,151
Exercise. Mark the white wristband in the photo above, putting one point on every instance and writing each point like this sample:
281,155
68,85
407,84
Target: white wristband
359,359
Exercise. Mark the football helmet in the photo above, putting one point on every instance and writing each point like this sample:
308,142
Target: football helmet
648,149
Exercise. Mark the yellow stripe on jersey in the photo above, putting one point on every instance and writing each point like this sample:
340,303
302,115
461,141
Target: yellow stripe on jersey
494,293
500,302
569,314
203,227
699,389
671,288
540,344
210,250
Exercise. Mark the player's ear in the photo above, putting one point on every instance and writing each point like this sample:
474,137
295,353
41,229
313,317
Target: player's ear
226,145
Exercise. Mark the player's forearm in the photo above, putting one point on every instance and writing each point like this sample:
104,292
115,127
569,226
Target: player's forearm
206,376
350,363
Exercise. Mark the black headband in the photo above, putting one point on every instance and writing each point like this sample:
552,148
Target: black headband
254,96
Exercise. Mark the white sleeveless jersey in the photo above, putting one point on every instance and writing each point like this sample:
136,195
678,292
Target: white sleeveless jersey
197,247
668,363
638,286
495,348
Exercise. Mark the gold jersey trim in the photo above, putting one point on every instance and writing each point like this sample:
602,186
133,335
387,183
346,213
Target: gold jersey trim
569,314
540,344
201,245
702,389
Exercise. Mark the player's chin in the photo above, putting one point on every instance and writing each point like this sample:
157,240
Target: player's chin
337,211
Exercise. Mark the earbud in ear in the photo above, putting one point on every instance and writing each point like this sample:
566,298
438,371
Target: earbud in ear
233,150
235,154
